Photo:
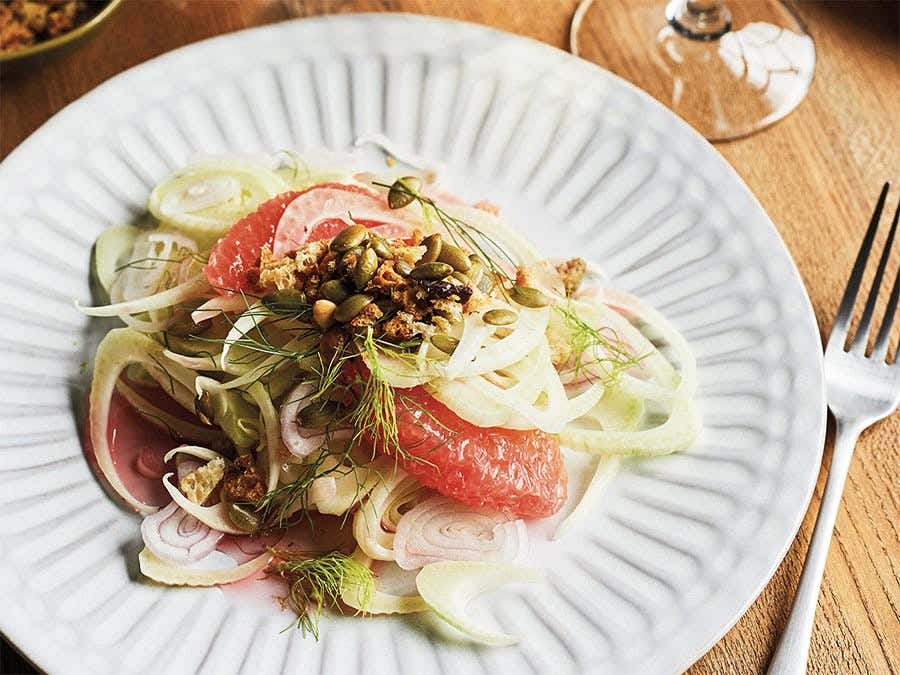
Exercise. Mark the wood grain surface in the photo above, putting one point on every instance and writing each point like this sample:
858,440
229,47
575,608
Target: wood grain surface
817,174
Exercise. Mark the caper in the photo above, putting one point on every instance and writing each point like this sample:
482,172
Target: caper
431,271
350,236
323,313
334,290
365,268
403,191
352,306
403,267
243,518
528,296
348,260
455,257
433,245
380,246
318,415
446,343
500,317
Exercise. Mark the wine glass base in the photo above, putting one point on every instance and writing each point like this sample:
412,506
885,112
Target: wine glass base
726,83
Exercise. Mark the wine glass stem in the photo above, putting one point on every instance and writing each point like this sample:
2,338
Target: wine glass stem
699,19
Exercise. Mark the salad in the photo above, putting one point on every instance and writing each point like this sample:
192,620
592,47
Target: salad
361,387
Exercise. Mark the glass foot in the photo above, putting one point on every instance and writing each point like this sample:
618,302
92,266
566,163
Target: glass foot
728,69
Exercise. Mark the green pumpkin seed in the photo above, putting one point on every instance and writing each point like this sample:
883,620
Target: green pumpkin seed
323,313
403,191
500,317
380,246
433,245
348,260
455,257
243,518
365,268
528,297
403,267
350,236
431,271
461,278
318,415
503,332
446,343
352,306
288,301
334,290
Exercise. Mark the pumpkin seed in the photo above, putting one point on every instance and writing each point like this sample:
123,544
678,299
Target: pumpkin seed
243,518
431,271
323,313
454,256
446,343
503,331
365,268
318,415
350,236
433,245
476,272
528,297
287,301
403,267
348,260
352,306
500,317
380,246
403,191
334,290
461,278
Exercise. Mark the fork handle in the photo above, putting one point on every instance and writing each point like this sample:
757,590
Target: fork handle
793,649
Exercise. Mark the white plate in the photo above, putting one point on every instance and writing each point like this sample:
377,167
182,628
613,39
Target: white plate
581,160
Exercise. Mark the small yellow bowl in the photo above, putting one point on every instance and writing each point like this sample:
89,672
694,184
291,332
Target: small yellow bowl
13,61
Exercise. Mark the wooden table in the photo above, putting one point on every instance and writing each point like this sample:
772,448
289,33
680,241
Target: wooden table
817,174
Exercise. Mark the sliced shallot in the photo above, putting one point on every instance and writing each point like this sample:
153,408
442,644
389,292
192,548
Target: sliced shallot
175,536
443,529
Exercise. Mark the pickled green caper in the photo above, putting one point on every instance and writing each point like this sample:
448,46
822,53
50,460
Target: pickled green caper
403,267
380,246
365,268
446,343
528,297
350,236
431,271
352,306
433,245
455,257
500,317
403,191
334,290
243,518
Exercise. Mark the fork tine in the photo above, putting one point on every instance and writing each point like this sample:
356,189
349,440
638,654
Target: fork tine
862,333
845,311
879,351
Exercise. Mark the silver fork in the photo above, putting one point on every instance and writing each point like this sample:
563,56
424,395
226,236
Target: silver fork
861,391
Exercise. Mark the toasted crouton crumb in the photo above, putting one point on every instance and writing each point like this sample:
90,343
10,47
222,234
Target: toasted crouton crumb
200,483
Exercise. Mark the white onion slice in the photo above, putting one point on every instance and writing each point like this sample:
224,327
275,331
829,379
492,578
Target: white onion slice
177,537
299,442
200,575
222,304
247,322
440,528
448,587
197,451
376,521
